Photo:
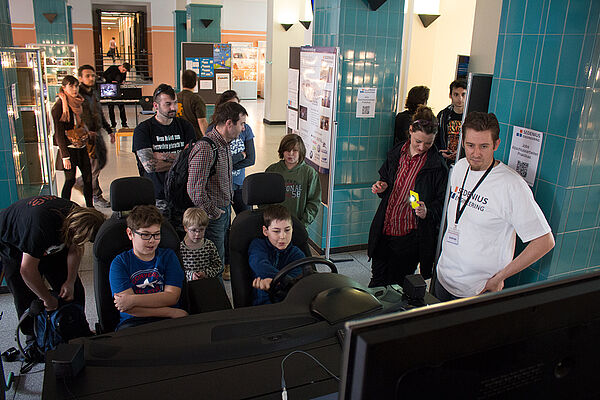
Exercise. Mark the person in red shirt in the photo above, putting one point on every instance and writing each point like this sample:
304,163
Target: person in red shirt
402,237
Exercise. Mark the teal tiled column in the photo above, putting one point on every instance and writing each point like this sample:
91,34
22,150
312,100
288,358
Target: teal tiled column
196,31
179,21
57,31
546,78
370,43
8,186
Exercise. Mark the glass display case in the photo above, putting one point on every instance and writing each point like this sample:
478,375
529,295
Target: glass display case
58,61
28,121
244,70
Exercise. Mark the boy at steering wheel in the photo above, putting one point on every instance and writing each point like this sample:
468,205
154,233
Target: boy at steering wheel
268,255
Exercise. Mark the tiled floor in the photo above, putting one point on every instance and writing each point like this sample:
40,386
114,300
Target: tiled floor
266,142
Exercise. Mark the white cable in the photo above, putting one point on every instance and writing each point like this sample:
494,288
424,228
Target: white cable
283,386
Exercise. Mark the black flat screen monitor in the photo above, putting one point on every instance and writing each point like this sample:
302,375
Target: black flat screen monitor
534,342
109,90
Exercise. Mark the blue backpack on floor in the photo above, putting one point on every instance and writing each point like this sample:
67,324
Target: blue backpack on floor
51,328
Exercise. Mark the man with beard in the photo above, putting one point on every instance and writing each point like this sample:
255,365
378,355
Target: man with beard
156,141
94,119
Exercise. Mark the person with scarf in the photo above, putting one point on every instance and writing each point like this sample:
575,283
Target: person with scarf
71,136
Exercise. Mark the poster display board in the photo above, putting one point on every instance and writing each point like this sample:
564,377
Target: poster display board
212,63
525,151
316,104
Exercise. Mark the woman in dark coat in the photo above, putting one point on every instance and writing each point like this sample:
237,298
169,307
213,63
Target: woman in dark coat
72,136
417,96
401,236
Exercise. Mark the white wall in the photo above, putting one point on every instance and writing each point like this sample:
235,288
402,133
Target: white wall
160,11
21,11
434,50
244,15
485,36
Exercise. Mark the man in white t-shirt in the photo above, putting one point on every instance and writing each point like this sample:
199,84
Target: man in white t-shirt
479,243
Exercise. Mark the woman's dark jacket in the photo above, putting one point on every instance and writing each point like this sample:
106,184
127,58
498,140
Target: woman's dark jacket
430,184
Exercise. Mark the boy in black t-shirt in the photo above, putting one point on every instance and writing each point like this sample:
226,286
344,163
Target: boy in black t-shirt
157,141
450,121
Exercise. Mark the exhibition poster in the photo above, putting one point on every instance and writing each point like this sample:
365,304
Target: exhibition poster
222,56
315,111
206,67
525,151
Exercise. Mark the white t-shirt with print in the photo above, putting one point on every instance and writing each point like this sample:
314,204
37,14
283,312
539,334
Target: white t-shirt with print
500,207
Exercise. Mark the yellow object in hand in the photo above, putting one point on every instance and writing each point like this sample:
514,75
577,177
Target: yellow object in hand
413,198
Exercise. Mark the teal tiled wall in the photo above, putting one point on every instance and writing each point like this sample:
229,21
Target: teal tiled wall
56,32
8,187
179,21
546,78
196,31
370,43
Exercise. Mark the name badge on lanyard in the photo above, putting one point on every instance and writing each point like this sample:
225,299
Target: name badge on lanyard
453,235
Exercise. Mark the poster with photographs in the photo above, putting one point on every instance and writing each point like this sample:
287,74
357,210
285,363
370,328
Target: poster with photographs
315,105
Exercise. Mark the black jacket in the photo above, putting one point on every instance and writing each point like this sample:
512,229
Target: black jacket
430,184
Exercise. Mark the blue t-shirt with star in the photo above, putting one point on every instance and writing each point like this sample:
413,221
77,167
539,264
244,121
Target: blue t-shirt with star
144,277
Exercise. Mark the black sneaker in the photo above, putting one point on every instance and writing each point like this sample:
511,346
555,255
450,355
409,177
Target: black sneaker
124,125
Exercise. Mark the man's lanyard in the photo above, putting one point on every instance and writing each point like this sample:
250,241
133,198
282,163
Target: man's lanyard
460,210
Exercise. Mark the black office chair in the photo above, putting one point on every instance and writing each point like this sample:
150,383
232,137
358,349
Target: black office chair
259,189
125,193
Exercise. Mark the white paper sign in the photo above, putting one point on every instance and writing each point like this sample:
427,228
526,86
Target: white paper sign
293,75
365,102
222,83
206,85
293,120
525,152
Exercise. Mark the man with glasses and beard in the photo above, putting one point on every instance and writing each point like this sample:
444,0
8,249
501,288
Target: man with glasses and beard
157,141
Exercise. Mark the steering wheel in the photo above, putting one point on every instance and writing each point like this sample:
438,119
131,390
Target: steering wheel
281,283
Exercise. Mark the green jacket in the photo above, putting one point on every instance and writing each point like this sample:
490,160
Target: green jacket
302,190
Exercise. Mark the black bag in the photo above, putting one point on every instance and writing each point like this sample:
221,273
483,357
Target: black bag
50,329
177,177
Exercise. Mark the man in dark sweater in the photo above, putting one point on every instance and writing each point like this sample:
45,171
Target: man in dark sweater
450,121
117,74
94,119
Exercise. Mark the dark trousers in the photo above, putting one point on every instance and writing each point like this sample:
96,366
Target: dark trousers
394,258
440,292
111,114
79,158
52,267
96,164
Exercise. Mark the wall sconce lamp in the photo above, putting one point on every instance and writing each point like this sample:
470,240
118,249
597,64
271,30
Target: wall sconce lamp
427,19
305,24
286,27
206,22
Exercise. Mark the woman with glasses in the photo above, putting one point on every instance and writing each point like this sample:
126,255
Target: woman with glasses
404,230
72,137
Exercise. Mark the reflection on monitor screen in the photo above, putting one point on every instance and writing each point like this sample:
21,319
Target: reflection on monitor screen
537,341
109,90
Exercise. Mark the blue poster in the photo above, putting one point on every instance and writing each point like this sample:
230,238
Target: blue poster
222,56
206,67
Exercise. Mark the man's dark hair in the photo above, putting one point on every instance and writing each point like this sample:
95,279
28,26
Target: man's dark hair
481,121
163,88
290,142
228,111
189,79
417,96
459,83
127,66
83,68
276,212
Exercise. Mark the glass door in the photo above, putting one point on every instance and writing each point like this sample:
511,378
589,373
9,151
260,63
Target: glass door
28,117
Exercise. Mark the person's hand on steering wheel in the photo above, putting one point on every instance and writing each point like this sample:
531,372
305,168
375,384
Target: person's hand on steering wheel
262,283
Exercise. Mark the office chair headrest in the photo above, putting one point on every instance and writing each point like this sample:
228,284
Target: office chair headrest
263,188
126,193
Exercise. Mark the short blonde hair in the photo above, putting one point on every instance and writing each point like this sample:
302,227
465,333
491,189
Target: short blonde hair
194,216
81,225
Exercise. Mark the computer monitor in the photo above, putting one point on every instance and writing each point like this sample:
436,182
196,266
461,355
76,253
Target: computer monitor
539,341
109,90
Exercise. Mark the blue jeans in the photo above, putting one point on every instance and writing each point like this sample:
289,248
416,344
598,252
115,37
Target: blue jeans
216,231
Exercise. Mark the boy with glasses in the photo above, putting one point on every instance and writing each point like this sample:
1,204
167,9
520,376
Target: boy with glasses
200,256
146,280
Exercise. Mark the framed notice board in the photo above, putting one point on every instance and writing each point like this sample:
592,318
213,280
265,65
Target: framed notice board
212,64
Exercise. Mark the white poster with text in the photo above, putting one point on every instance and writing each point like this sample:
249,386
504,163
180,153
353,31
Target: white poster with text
525,152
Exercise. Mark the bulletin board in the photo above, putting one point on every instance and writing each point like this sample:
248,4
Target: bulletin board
212,64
